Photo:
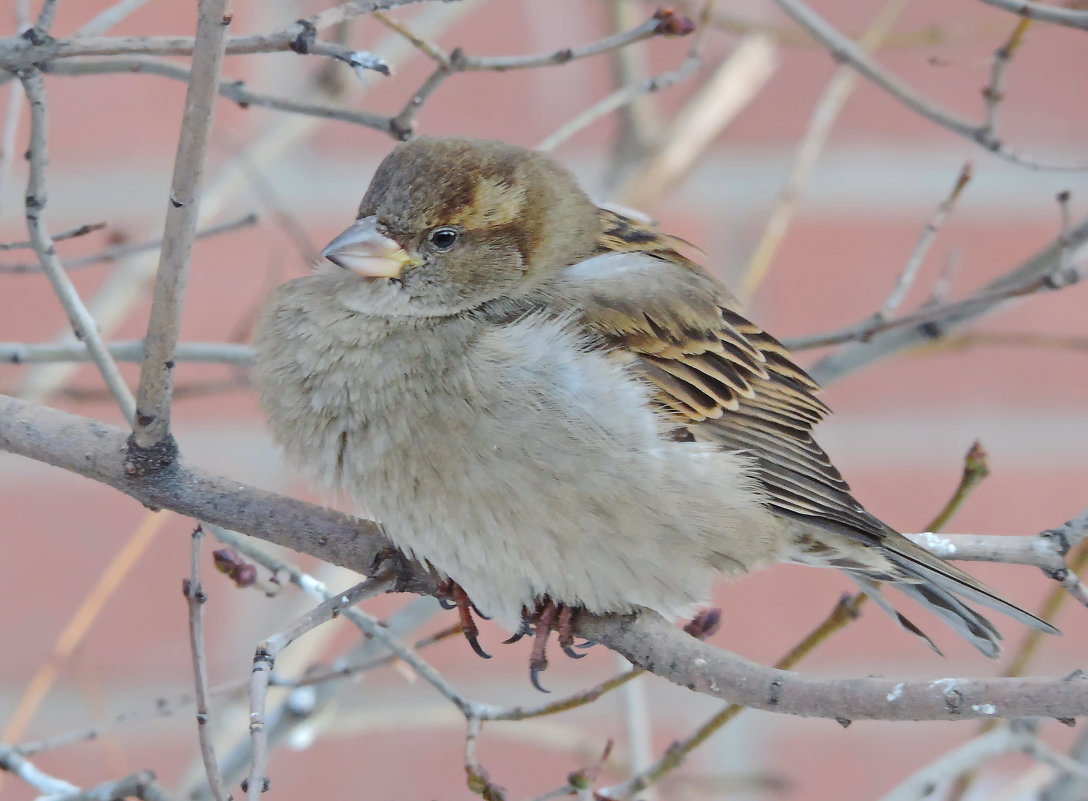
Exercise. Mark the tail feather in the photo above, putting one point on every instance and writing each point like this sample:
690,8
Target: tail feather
935,584
936,574
871,588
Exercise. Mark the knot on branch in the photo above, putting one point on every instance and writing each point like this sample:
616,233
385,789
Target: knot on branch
141,462
36,36
306,37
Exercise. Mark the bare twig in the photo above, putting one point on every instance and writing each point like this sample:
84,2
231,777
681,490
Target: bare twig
734,84
12,762
152,426
140,785
638,124
993,94
475,775
1042,272
126,286
628,94
232,90
265,658
848,52
402,124
823,117
1018,339
117,252
46,16
129,351
1043,12
17,53
966,757
910,272
109,17
80,319
195,598
72,233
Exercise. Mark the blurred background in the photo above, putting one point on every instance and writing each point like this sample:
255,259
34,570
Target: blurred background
1019,384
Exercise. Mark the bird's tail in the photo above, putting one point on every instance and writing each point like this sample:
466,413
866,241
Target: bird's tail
940,587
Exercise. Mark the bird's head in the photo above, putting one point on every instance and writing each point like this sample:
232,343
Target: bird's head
454,223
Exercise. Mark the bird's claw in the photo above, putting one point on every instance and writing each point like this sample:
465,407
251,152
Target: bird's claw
453,596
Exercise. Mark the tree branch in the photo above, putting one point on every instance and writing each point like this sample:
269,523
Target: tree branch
845,51
97,451
1043,12
152,426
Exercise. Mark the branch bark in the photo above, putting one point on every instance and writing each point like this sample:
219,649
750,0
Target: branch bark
152,426
97,451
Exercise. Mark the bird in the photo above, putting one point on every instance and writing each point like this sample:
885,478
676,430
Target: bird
550,406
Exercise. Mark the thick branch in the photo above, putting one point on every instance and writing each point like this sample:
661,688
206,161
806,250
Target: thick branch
651,643
97,451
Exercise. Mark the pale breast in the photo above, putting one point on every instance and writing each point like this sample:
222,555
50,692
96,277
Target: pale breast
511,457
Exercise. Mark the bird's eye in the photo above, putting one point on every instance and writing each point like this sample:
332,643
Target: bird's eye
443,238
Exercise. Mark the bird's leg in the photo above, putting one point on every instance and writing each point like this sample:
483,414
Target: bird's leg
542,621
547,615
452,595
565,627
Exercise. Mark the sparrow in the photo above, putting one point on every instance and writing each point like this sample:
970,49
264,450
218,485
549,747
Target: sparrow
555,410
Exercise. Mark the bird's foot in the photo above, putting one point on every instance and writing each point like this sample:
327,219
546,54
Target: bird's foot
705,623
546,617
452,596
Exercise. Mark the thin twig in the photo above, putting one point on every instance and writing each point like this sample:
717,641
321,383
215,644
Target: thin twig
127,351
475,775
152,426
1042,271
993,94
935,317
628,94
126,286
733,85
1043,12
264,660
999,339
910,272
72,233
195,598
13,762
18,54
83,324
117,252
45,18
402,125
845,51
236,91
107,18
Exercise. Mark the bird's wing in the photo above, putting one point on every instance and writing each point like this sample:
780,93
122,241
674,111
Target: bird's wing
721,378
716,374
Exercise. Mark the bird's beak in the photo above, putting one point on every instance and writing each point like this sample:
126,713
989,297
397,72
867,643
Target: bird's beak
365,251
